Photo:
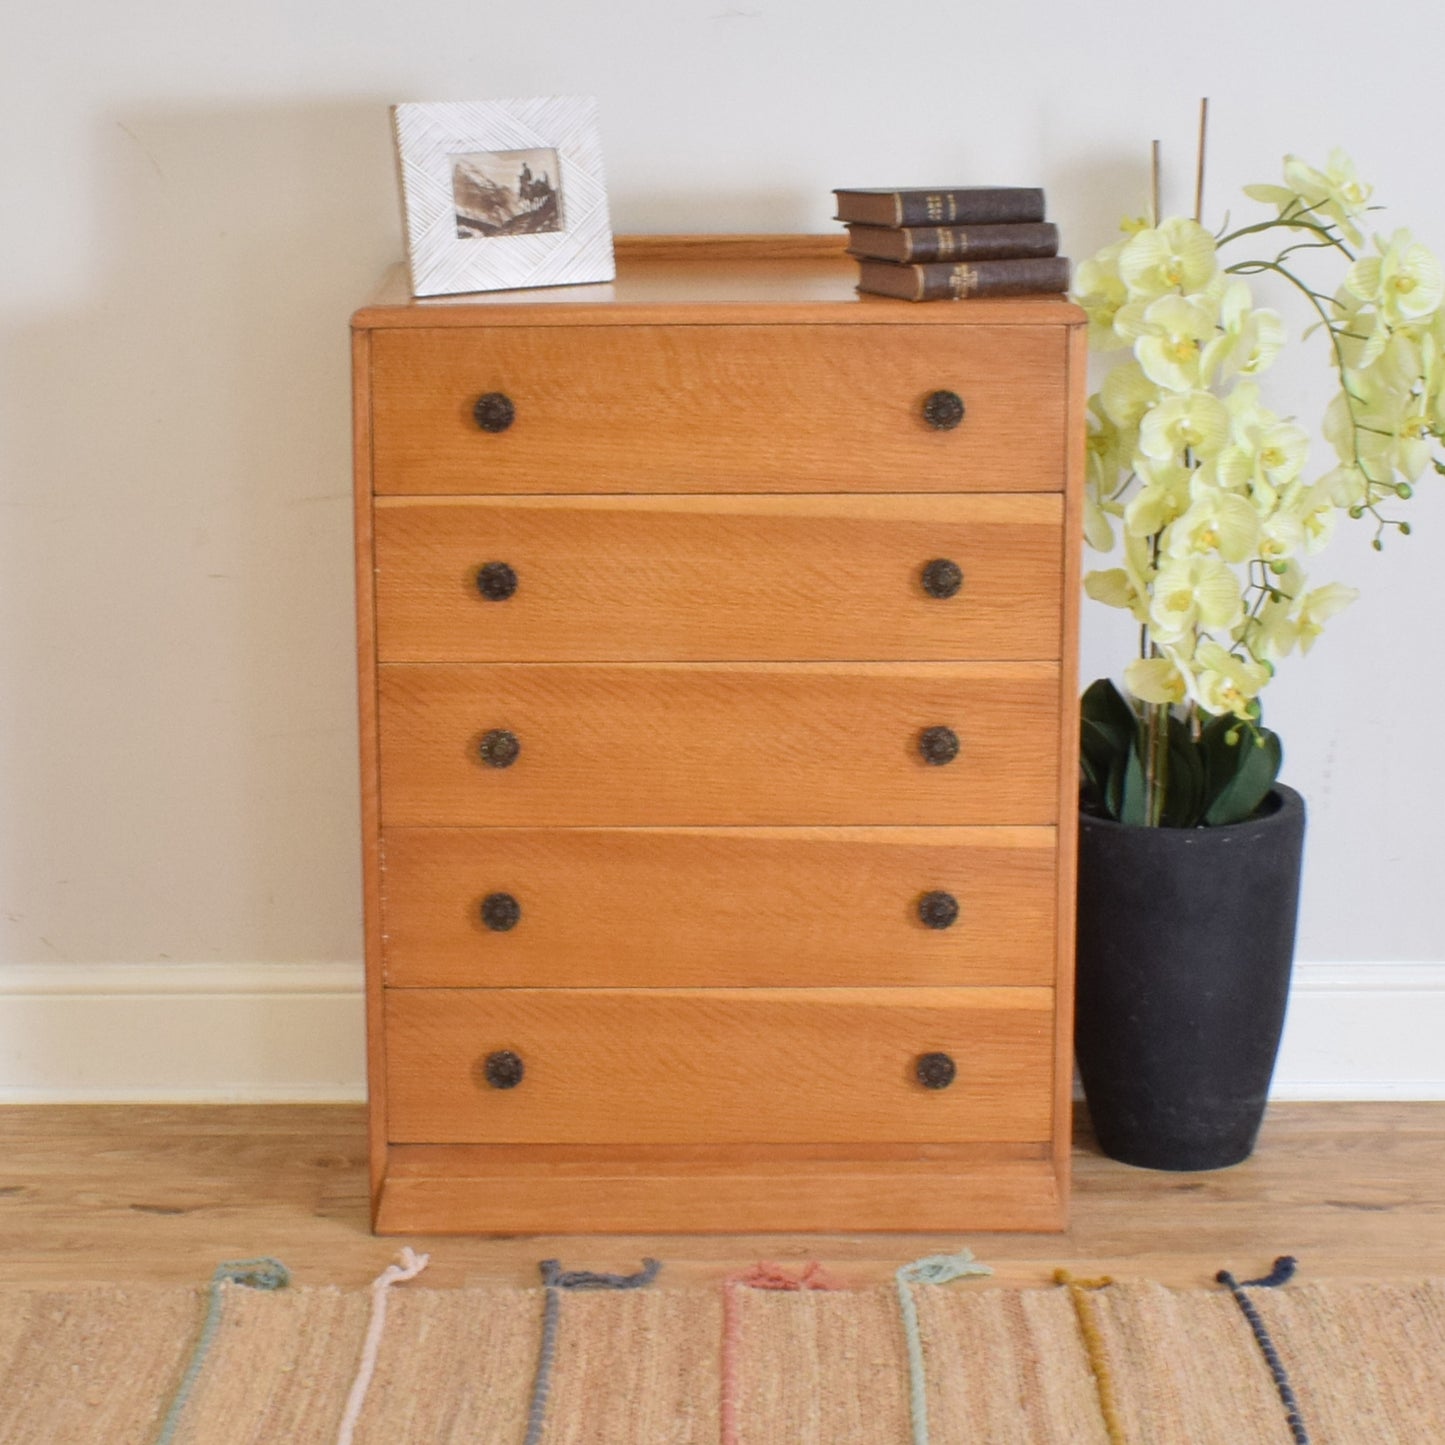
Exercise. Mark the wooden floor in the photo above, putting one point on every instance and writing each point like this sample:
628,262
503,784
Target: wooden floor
124,1194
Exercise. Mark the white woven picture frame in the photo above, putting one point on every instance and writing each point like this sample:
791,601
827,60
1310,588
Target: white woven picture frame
483,210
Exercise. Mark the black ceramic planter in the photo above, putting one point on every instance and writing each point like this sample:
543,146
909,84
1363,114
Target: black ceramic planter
1186,940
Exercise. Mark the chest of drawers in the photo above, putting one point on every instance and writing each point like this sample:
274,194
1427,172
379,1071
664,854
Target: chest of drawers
717,636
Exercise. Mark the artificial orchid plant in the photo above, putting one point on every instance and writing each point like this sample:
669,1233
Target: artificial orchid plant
1207,492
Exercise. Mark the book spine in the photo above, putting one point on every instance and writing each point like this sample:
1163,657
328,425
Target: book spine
954,281
973,207
915,244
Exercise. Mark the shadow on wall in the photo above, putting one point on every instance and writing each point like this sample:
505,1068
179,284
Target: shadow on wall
1094,198
181,779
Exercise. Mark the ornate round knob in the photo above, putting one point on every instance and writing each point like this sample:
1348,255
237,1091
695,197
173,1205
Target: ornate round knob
938,909
499,748
943,410
501,912
494,412
938,745
942,577
496,581
504,1069
934,1071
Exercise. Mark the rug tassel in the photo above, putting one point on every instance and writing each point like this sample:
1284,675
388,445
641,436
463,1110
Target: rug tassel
1093,1338
1281,1274
764,1276
258,1274
407,1266
556,1279
931,1269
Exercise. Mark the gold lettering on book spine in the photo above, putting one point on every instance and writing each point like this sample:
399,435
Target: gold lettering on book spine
962,282
949,243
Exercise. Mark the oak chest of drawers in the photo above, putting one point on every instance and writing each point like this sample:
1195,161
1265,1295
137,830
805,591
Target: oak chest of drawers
717,636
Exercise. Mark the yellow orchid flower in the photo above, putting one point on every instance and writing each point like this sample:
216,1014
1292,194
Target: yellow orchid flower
1224,683
1272,635
1157,680
1317,607
1404,281
1281,535
1333,194
1250,339
1318,512
1190,593
1127,586
1266,455
1126,395
1100,290
1220,523
1346,485
1169,336
1194,421
1163,497
1177,256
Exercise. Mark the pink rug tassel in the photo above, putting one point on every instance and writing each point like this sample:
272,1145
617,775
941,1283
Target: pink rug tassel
759,1276
408,1266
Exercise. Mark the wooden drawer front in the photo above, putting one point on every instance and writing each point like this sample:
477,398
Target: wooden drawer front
718,408
681,1066
746,907
700,743
713,578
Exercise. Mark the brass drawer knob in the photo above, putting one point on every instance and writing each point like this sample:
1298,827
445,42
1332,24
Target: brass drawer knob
938,745
942,577
504,1069
494,412
501,912
943,410
938,909
935,1071
496,581
499,748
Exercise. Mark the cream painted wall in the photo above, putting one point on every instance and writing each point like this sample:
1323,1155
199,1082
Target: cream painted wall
195,197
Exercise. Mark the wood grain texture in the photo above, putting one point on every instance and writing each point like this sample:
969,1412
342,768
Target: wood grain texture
718,1066
804,744
717,578
497,1189
367,750
159,1194
719,408
718,495
709,250
741,907
1076,430
787,279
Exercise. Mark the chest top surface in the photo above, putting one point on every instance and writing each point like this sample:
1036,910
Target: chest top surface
708,280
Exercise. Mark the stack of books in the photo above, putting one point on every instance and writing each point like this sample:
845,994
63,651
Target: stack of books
947,243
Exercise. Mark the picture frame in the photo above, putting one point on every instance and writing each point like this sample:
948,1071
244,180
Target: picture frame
502,194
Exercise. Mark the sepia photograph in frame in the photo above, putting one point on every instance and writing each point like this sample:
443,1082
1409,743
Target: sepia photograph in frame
502,194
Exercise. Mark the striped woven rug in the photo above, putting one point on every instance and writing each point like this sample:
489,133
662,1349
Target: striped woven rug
770,1357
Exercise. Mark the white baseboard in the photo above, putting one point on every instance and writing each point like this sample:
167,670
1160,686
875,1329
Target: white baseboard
272,1032
182,1033
1364,1031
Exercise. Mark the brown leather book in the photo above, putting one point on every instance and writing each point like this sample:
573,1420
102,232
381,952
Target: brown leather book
942,206
954,243
952,281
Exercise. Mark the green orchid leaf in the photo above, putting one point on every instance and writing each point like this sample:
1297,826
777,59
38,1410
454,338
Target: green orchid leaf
1103,704
1259,758
1109,730
1220,757
1097,752
1184,803
1133,796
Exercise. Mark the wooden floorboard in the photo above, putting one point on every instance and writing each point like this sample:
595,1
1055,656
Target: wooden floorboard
136,1194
